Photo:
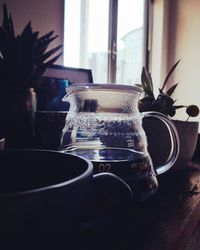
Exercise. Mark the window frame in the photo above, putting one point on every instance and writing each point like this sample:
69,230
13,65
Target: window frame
112,38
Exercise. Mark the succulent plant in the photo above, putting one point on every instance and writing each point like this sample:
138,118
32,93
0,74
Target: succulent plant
24,57
163,103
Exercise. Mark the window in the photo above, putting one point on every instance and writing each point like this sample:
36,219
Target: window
107,36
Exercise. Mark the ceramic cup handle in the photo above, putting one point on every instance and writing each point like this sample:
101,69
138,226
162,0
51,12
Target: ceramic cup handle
111,196
174,138
113,187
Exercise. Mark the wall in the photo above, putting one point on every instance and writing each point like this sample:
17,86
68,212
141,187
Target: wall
45,16
159,42
184,44
179,39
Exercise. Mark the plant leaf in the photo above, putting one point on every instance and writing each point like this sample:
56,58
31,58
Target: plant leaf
147,83
169,74
179,106
24,59
52,61
46,36
43,43
8,23
27,30
4,43
171,90
40,69
45,56
151,82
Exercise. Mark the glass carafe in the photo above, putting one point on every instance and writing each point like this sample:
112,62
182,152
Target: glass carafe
104,125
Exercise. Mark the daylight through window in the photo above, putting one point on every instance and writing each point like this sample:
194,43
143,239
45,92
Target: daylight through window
107,36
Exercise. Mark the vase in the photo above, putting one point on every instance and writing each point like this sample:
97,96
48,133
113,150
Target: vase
18,109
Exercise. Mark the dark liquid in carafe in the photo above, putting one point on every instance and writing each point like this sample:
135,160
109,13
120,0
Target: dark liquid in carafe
135,168
116,160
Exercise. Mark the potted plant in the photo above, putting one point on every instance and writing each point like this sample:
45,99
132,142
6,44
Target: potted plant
164,103
23,60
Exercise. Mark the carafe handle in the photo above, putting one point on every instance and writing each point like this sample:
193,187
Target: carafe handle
174,138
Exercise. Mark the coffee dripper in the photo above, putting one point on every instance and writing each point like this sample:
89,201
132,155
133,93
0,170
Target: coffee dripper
104,125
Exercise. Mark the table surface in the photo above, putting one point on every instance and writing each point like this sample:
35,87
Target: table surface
175,212
165,222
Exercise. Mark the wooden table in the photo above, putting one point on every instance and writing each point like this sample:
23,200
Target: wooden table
166,221
173,215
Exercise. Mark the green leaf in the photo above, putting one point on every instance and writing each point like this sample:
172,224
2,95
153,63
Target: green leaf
169,74
179,106
45,56
52,61
12,31
40,69
45,37
4,43
5,16
151,82
27,30
8,23
45,40
170,91
147,82
24,59
43,43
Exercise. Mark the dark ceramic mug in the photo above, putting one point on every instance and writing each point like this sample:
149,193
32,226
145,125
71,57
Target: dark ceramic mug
43,190
2,143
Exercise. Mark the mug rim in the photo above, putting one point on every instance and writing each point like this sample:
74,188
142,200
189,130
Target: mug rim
71,181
